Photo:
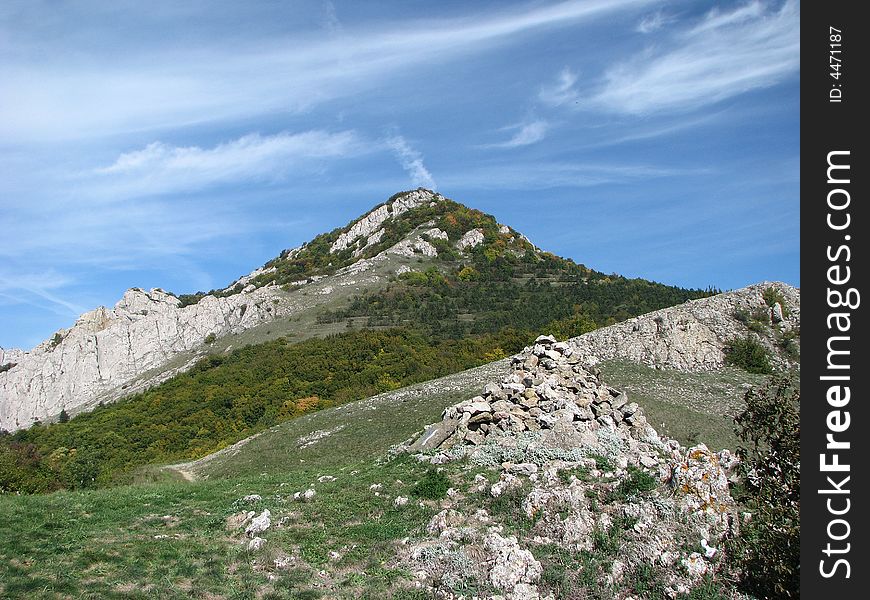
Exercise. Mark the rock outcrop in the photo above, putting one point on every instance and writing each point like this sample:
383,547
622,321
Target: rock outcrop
369,227
580,464
693,336
108,347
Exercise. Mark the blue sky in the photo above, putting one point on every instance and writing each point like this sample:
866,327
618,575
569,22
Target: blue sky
182,144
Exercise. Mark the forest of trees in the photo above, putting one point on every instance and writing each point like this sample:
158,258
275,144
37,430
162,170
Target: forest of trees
225,398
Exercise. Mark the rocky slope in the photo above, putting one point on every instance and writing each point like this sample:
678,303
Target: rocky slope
108,347
693,336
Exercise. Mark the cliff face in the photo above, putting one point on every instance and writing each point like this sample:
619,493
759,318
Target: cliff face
106,348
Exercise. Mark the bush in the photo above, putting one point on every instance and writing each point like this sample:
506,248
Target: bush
638,482
210,338
771,296
767,552
749,355
432,486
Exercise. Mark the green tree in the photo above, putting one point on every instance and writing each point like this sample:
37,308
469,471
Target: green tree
767,552
749,355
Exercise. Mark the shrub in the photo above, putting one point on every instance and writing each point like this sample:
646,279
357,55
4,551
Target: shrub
749,355
767,552
771,296
210,338
432,486
638,482
789,342
56,340
602,463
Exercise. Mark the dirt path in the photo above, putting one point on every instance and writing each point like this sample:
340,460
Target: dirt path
182,470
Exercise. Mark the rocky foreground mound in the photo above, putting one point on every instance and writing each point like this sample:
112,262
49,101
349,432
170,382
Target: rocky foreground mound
586,474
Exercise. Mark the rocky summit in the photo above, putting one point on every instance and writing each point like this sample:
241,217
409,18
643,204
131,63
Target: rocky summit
583,463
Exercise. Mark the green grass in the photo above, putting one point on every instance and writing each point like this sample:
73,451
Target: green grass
101,544
110,544
637,483
432,486
346,436
344,543
688,407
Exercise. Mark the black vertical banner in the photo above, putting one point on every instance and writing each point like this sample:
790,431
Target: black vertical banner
835,421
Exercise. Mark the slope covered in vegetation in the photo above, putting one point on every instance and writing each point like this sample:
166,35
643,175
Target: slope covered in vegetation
466,305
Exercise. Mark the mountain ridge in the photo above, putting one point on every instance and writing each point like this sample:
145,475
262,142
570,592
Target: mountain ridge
414,238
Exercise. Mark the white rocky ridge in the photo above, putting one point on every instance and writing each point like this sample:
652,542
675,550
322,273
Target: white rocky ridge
370,224
108,347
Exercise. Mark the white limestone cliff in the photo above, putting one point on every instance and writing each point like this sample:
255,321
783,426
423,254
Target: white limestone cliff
107,348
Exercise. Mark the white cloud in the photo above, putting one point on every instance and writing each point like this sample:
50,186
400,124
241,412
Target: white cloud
76,94
161,168
653,22
562,92
37,288
526,134
412,161
724,55
716,19
330,18
538,176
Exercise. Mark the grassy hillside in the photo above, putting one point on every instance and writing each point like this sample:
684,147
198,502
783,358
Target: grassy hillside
111,544
688,407
169,540
225,398
167,537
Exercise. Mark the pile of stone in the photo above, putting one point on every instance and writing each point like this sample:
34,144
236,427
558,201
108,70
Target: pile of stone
545,427
549,392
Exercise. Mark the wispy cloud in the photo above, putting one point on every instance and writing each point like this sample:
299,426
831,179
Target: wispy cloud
161,168
39,289
412,162
163,88
526,133
562,92
653,22
726,54
538,176
330,18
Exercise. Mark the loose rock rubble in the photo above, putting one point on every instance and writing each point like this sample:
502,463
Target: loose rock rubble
557,403
582,462
259,524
